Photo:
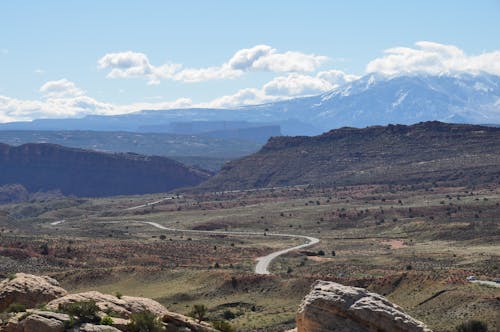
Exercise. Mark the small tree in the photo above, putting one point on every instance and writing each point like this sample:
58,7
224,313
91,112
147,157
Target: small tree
199,312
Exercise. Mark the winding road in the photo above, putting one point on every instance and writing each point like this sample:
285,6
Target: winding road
263,262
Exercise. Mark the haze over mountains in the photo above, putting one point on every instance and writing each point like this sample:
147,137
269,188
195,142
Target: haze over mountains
370,100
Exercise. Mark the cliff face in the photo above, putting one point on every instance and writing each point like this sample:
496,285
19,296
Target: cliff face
425,152
87,173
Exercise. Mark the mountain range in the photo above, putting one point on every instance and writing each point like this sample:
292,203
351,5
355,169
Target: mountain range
370,100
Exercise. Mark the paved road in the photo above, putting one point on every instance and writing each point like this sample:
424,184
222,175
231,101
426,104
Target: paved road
54,223
263,262
486,283
150,203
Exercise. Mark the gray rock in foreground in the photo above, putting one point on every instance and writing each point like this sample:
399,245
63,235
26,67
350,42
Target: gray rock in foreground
335,307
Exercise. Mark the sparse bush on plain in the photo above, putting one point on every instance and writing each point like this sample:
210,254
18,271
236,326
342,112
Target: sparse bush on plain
223,326
472,326
199,312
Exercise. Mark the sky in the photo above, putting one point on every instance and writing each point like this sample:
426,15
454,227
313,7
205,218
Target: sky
71,58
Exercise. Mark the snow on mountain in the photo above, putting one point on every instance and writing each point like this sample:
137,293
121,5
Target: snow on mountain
370,100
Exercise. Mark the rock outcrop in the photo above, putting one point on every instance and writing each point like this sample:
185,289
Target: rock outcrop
123,306
31,291
335,307
28,290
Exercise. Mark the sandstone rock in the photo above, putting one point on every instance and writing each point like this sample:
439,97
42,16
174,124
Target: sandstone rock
94,328
122,307
335,307
29,290
176,322
37,320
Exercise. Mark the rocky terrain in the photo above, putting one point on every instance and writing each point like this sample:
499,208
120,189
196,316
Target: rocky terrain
43,167
428,152
33,303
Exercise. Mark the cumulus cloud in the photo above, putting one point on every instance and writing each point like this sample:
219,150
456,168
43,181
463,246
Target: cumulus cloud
258,58
63,99
60,89
285,87
433,58
132,64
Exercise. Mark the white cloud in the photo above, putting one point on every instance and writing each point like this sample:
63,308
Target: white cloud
60,89
131,64
433,58
296,85
284,87
63,99
258,58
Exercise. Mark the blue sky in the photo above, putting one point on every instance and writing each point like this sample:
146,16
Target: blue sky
71,55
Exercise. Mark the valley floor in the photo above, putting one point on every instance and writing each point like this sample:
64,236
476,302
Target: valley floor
414,245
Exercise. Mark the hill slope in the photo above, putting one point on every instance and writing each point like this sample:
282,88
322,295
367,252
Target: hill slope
88,173
421,153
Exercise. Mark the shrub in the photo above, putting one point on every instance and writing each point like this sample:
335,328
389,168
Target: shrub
223,326
106,320
86,311
199,312
228,314
144,321
16,307
118,295
472,326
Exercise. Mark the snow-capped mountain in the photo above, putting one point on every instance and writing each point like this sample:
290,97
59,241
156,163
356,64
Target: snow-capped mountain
371,100
375,100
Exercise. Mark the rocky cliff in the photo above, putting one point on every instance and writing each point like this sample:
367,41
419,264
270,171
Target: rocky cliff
42,167
396,154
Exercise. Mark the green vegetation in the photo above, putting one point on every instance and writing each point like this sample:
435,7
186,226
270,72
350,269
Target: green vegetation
106,320
145,321
199,312
16,307
223,326
85,311
472,326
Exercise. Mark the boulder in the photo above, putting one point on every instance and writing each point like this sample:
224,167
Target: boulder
87,327
123,306
29,290
335,307
37,320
